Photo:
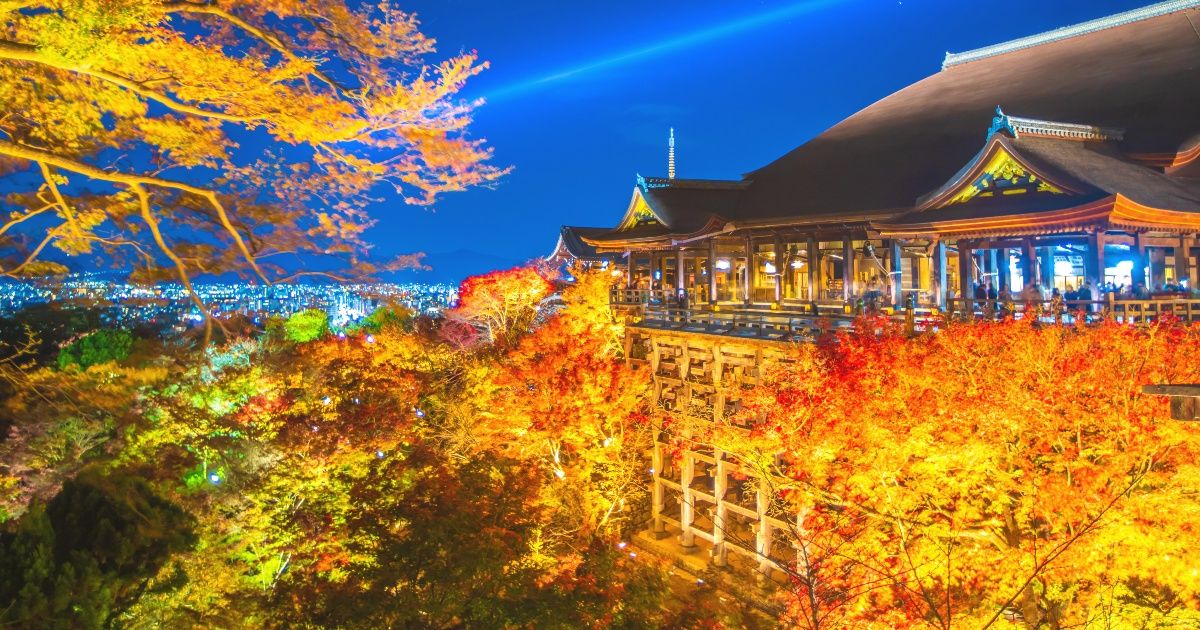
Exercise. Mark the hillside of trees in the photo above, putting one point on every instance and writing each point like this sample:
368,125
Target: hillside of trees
488,469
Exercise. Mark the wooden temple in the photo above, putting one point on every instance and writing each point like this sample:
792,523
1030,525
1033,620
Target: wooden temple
1052,162
1060,161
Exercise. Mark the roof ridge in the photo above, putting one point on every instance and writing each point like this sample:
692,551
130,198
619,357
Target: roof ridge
1067,32
664,182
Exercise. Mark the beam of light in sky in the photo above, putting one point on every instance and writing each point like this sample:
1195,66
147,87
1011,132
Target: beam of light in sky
686,40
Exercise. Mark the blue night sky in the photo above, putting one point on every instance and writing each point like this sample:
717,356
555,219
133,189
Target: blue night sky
581,94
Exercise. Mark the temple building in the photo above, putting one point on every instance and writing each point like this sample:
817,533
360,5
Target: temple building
1062,160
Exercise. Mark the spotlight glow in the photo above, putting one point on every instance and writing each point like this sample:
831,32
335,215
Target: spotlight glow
678,42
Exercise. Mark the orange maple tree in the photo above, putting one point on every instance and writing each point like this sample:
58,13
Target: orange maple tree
179,137
988,474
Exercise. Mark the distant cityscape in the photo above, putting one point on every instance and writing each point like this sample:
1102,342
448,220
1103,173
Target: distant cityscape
168,304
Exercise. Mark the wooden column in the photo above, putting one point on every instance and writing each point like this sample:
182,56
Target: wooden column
1183,259
629,269
1028,262
762,538
814,263
1093,263
748,275
712,271
780,269
993,258
1046,260
895,272
687,507
1158,266
1138,275
720,486
1003,281
964,280
939,274
847,268
659,496
654,282
680,281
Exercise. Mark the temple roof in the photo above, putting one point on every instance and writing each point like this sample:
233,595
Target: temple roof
571,244
1018,182
665,208
1108,110
1142,77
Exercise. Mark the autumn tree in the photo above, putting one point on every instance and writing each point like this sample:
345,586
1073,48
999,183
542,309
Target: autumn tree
178,137
986,475
499,306
77,561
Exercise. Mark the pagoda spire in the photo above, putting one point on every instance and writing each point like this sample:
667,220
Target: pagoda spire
671,155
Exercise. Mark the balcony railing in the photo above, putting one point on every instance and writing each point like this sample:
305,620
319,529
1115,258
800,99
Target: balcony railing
1138,312
799,322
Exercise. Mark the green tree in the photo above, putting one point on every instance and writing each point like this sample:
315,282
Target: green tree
86,555
95,348
306,326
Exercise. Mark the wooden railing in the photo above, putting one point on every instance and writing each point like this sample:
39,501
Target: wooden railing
775,325
1138,312
658,297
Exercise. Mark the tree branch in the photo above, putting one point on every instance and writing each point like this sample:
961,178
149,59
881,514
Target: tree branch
267,37
129,179
16,51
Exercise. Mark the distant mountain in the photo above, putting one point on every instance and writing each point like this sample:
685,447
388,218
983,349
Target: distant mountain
453,267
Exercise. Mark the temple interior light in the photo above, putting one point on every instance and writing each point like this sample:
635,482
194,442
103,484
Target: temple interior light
797,264
1064,268
769,267
723,264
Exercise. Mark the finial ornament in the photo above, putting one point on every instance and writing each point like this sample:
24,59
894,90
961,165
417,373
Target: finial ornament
1001,122
671,155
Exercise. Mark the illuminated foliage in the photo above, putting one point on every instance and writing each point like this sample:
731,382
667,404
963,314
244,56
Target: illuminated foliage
123,114
305,326
501,306
95,348
80,559
983,475
990,474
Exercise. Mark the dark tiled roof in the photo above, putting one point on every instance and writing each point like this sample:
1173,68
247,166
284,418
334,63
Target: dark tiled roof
1143,77
1101,166
571,239
686,209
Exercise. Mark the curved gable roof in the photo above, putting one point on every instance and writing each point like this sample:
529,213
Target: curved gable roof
1142,76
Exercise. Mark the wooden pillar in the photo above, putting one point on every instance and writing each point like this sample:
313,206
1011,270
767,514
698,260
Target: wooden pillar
629,269
680,281
1158,266
780,269
814,264
1138,275
653,269
687,507
1003,281
895,273
1093,263
1046,260
762,538
1028,262
939,274
964,280
720,485
712,271
1183,260
659,495
847,268
748,274
993,258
